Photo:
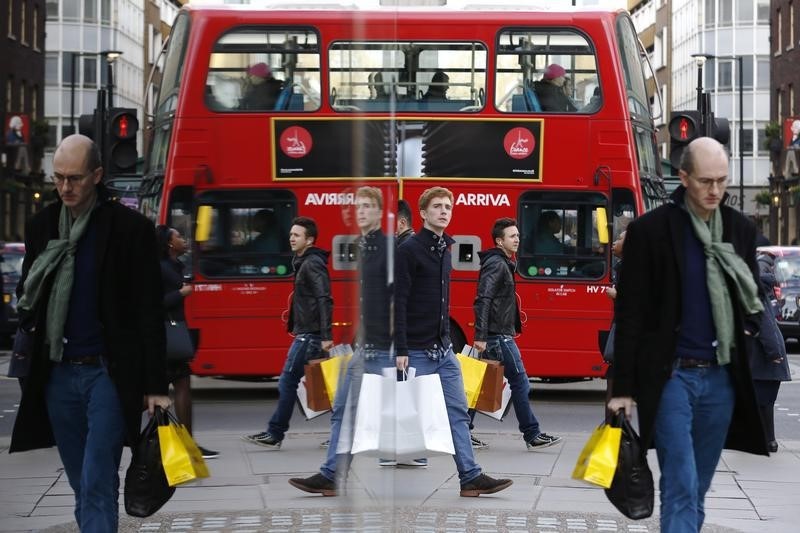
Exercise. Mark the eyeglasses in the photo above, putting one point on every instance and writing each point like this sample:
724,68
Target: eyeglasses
708,183
58,179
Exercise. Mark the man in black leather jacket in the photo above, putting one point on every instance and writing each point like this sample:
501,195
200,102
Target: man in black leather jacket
309,322
497,322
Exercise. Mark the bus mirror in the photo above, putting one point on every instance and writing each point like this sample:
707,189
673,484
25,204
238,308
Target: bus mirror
203,229
602,225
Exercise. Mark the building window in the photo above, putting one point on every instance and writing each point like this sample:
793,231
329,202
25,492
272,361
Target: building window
9,93
747,142
725,75
35,31
90,72
72,9
11,20
762,74
105,11
777,36
711,13
23,35
762,10
791,26
22,89
779,103
762,141
746,73
725,13
791,100
744,12
35,102
66,69
51,69
52,9
89,11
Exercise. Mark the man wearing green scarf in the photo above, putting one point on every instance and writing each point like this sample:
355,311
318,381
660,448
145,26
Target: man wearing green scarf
686,298
90,293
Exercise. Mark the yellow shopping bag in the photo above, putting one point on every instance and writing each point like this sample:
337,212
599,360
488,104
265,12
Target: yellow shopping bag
334,367
598,460
180,456
472,370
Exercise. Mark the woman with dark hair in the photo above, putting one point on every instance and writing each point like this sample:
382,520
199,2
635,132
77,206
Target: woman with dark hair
172,245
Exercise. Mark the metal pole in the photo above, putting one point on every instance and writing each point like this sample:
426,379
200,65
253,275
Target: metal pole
72,93
700,87
740,61
110,85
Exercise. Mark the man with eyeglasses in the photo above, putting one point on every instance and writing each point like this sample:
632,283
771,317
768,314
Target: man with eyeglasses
90,291
687,298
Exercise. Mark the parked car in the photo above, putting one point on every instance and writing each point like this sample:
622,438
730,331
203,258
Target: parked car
787,291
11,255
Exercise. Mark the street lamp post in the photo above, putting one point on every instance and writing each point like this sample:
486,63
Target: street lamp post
111,56
739,71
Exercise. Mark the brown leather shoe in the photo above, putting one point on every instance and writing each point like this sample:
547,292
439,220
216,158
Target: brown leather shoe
484,484
316,484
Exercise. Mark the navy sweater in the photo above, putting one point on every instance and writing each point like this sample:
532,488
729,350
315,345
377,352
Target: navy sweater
697,337
422,294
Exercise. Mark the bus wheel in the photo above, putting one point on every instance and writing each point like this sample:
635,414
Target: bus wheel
457,337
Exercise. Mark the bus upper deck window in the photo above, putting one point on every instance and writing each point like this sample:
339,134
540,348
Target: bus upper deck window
258,69
546,71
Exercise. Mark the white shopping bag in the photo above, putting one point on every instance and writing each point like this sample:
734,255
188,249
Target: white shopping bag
401,419
302,401
505,405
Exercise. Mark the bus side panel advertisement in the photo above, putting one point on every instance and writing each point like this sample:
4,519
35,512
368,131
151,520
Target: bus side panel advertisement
361,148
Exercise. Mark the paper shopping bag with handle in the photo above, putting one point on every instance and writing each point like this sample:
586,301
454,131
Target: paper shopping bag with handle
472,372
598,460
180,456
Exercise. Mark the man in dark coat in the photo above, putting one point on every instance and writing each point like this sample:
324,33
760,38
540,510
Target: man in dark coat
309,321
91,287
687,298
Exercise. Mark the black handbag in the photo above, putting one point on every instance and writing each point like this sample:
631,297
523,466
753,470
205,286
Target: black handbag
179,342
631,491
146,487
19,366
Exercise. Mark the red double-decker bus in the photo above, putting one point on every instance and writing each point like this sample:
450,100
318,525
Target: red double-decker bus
263,115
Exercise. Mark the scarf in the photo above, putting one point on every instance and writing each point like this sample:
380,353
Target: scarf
721,261
56,262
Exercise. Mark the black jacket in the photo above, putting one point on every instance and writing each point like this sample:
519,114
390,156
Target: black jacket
422,293
648,317
312,304
552,98
172,282
496,311
376,294
131,312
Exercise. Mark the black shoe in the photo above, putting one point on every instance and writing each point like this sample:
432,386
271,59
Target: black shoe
324,444
484,484
264,439
772,446
208,454
542,440
477,444
316,484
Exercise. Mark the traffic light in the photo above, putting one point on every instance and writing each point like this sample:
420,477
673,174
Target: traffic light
684,127
87,125
120,145
720,130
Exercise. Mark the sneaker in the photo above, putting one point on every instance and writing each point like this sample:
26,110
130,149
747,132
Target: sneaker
208,454
324,444
316,484
264,439
773,446
419,463
478,444
542,440
484,484
387,462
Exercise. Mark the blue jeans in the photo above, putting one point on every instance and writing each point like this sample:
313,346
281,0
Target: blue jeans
690,430
503,348
89,428
360,364
456,401
304,348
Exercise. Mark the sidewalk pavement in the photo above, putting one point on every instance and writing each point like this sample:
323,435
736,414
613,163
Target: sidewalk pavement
248,491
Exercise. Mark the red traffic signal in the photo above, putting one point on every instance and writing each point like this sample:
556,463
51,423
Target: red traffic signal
120,143
684,127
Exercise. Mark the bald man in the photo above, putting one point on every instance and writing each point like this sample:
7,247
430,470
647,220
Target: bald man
686,301
90,293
